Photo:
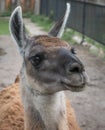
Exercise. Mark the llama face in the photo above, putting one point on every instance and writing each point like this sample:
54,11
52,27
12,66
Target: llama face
52,65
49,63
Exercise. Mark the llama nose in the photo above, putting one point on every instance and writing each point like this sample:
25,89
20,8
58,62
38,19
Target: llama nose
74,68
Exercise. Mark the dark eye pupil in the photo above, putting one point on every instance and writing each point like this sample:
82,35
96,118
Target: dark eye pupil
37,60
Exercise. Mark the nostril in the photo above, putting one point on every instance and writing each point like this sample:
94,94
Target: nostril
83,83
75,68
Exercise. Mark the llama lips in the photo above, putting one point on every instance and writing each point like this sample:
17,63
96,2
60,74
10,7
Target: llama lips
69,85
73,87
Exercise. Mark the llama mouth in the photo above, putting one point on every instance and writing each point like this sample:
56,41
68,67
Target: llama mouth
75,88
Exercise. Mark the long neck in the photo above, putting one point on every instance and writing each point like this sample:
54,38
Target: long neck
43,112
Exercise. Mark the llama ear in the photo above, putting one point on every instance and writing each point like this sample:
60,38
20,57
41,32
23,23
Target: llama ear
58,29
17,29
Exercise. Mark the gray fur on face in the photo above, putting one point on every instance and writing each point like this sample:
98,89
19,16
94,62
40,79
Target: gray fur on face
54,70
48,60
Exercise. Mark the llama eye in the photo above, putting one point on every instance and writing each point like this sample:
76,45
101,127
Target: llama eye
37,60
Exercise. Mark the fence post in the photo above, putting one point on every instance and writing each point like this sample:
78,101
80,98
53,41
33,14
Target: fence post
37,7
83,22
2,6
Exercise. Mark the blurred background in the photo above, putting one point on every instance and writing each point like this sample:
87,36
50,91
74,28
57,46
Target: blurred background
87,16
85,31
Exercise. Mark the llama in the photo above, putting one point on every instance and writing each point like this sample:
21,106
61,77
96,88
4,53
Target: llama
50,66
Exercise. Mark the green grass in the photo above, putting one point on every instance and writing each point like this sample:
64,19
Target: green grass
4,26
5,14
95,43
68,35
42,21
27,15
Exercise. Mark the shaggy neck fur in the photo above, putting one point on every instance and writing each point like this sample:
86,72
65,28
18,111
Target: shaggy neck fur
43,112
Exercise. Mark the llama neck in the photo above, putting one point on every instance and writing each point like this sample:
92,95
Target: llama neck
46,112
43,112
52,111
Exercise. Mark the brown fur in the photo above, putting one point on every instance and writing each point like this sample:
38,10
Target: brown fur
11,110
71,117
50,41
12,114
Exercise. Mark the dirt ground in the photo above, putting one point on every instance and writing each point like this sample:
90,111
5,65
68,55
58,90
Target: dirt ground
89,104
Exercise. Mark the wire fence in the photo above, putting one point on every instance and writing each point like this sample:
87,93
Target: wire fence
86,18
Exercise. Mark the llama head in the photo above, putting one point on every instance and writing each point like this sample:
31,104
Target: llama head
49,62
